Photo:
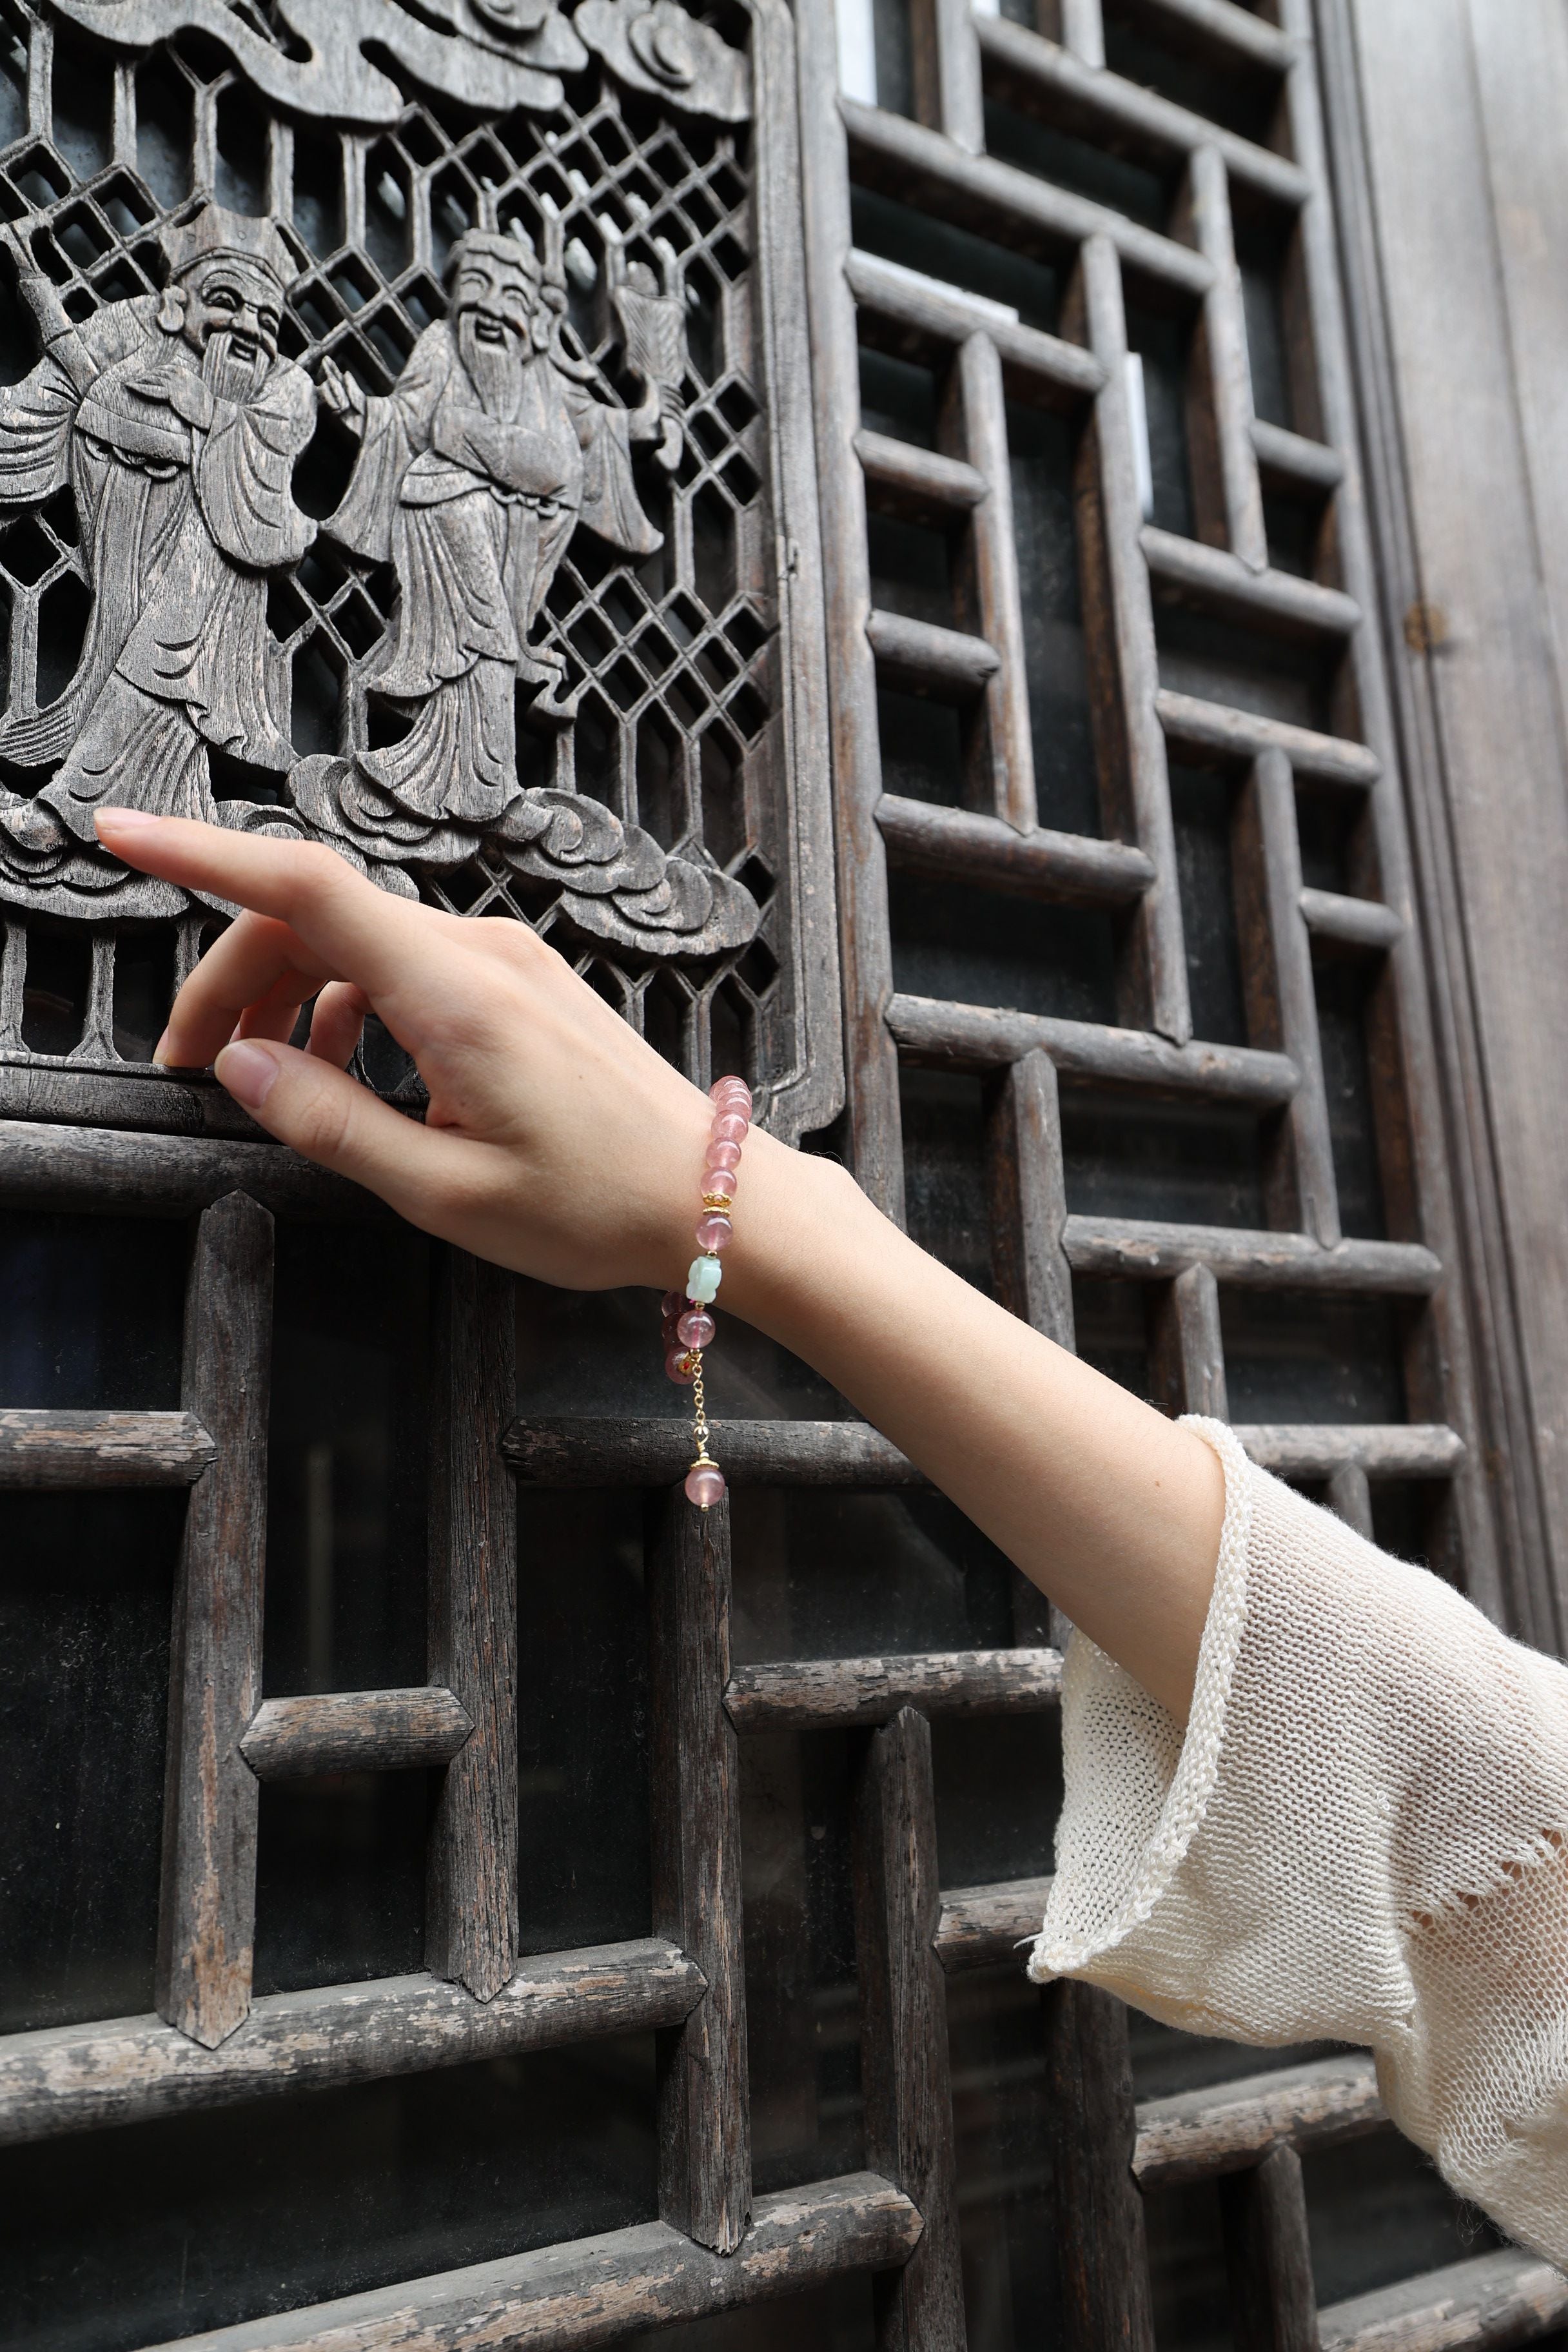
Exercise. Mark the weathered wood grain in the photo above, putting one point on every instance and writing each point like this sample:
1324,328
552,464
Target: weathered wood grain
592,2291
1226,489
1364,923
608,1453
206,1911
1211,729
986,575
986,1927
704,2137
1349,1496
949,1036
919,657
904,2067
46,1449
1384,1450
1103,2252
1499,2299
130,2069
1186,1351
959,845
1257,1261
1028,1198
1214,580
926,318
1288,460
1230,2125
354,1731
471,1905
1268,2256
919,484
1218,31
812,1693
51,1165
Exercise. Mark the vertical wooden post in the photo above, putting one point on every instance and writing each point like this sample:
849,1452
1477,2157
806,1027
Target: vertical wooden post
1100,2213
470,1903
992,604
903,2030
704,2115
1188,1353
1224,464
1028,1198
1349,1495
1269,2254
206,1913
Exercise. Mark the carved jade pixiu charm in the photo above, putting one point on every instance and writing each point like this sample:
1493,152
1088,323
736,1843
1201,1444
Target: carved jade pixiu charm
175,419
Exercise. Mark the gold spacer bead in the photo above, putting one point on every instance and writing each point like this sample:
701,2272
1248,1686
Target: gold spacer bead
723,1202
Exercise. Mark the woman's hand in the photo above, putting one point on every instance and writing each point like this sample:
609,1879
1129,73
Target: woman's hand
556,1142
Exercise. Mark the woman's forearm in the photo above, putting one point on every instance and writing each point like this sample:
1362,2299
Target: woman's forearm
1108,1507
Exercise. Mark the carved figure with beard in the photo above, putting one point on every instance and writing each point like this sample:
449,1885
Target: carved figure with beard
471,477
177,425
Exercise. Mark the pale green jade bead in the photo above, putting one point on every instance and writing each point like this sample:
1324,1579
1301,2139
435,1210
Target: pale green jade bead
702,1282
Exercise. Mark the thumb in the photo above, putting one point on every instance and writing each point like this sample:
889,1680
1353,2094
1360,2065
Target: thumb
331,1118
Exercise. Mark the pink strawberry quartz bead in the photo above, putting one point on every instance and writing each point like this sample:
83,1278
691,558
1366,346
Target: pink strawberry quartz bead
719,1180
730,1090
730,1127
705,1485
713,1232
696,1328
679,1366
724,1155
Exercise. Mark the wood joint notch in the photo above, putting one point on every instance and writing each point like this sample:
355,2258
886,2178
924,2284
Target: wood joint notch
355,1731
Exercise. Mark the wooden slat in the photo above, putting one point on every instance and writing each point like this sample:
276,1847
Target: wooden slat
1305,1450
610,1452
1507,2298
1216,582
811,1693
49,1165
1364,923
919,657
1268,2256
987,577
919,484
989,1037
206,1911
704,2135
1102,2250
45,1449
985,1926
1228,35
926,318
1028,1198
1149,1251
958,844
1231,2124
354,1731
593,2291
904,2067
130,2069
1227,492
1288,460
1208,728
1186,1351
1350,1498
471,1903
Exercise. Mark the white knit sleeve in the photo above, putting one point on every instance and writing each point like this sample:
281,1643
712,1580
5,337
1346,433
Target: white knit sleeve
1360,1836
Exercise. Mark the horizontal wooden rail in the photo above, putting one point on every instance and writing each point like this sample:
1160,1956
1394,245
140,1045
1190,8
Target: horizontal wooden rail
959,846
922,317
919,657
919,485
1210,728
125,2069
355,1731
1228,35
603,1452
1503,2298
984,1926
812,1693
1288,460
1384,1450
72,1450
115,1174
1217,582
1147,1251
1364,923
1035,75
1229,2125
947,1035
977,192
591,2291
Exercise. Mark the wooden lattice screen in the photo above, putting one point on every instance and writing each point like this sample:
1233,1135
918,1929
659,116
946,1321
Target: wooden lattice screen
1124,919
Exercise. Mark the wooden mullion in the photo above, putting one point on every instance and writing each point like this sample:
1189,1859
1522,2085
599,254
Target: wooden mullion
1101,2237
982,402
904,2064
1349,1496
471,1903
1187,1351
1227,2127
1269,2254
984,1926
1226,482
355,1731
704,2117
1028,1197
1083,30
947,71
206,1913
815,1694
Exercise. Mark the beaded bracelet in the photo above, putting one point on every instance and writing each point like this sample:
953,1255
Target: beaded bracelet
688,1325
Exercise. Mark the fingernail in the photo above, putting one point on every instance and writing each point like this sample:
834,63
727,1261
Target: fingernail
248,1071
125,820
161,1053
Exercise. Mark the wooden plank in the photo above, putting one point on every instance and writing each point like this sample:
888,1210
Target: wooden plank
987,578
1309,1450
40,1448
470,1899
1227,492
132,2069
919,484
206,1911
1219,30
1268,2256
1028,1198
1505,2298
1103,2250
919,657
704,2135
814,1694
90,1169
593,2291
1214,581
904,2069
159,1101
947,1035
925,317
354,1731
1187,1353
985,1926
1070,869
1230,2125
1362,924
610,1452
1149,1251
1289,461
947,72
1203,729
